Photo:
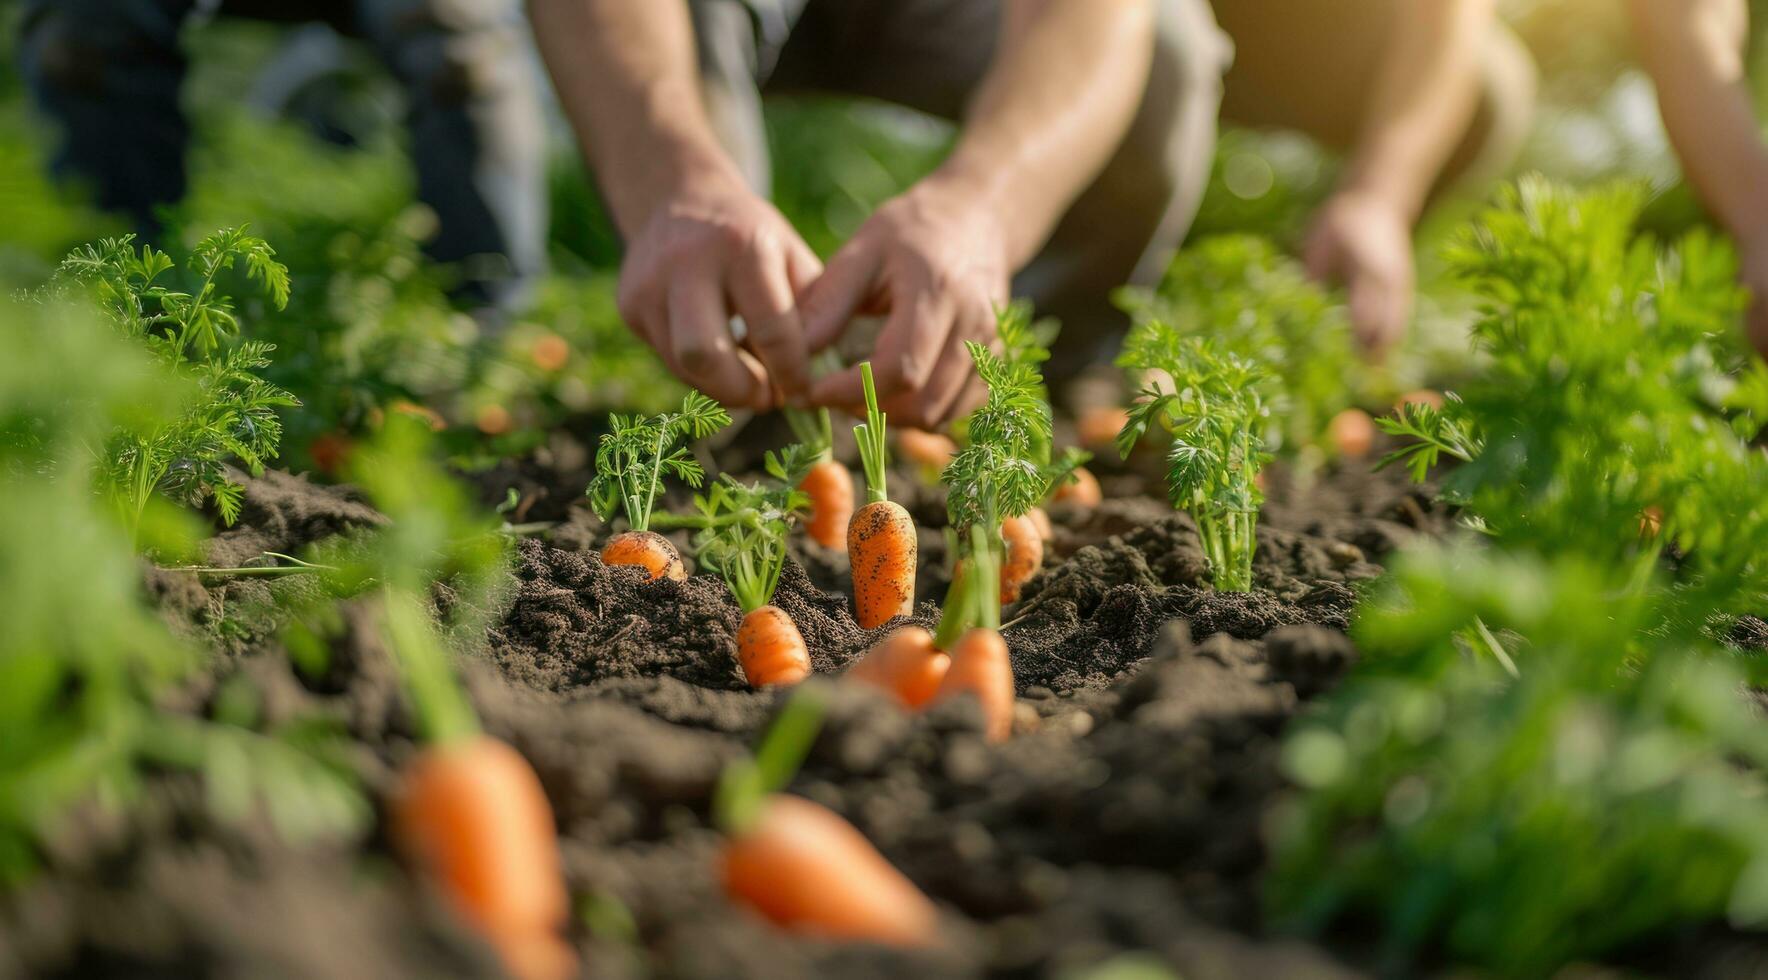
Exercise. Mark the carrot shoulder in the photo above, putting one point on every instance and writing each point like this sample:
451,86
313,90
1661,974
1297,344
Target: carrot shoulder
1081,491
472,814
806,869
830,487
980,666
771,649
881,551
646,549
904,664
1025,555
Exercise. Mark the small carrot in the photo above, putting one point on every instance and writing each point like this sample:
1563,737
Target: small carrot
828,484
1040,519
800,864
630,463
1098,426
1352,433
473,815
550,352
881,543
1025,555
1421,396
743,530
1081,490
331,451
646,549
469,810
904,664
929,450
970,628
426,414
493,419
771,649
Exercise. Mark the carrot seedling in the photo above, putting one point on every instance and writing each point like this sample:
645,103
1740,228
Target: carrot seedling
799,863
1218,420
827,483
630,464
742,537
970,628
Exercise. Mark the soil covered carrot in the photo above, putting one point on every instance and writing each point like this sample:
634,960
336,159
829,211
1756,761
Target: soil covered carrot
881,545
771,649
647,549
828,484
1081,490
630,463
473,815
904,664
1040,519
743,530
1025,555
801,865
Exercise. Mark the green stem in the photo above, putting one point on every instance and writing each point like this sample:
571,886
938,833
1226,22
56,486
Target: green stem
870,436
442,708
746,784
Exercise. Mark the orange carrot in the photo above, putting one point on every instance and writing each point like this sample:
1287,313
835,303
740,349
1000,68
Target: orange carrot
550,352
1421,396
881,538
1081,491
1352,432
426,414
928,450
331,451
1039,519
1098,426
493,419
473,815
646,549
830,487
806,869
1025,555
980,666
881,549
904,664
771,649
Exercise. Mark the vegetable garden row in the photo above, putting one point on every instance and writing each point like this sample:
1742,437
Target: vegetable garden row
1217,681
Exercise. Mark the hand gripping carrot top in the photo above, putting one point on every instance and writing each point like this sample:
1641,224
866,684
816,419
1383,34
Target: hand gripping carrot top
742,537
630,464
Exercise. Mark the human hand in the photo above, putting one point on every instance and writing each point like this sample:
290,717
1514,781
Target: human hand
1752,271
1365,242
932,262
711,250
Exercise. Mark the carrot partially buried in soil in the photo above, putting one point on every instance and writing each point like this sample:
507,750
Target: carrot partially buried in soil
799,864
930,451
630,463
743,530
904,664
881,545
1080,490
1025,555
969,627
828,484
1352,432
471,814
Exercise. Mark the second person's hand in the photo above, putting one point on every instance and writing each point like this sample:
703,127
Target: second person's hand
710,251
933,262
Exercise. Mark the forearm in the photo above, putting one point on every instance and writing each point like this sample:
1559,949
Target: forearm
1693,50
628,81
1064,86
1424,98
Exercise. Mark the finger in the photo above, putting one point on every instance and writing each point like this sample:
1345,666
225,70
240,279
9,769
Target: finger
908,347
704,355
843,288
951,378
1319,254
761,291
1373,311
802,267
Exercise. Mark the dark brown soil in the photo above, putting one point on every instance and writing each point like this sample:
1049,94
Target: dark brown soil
1123,820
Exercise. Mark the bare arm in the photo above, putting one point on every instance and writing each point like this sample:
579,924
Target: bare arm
701,246
1693,50
1423,100
1067,78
